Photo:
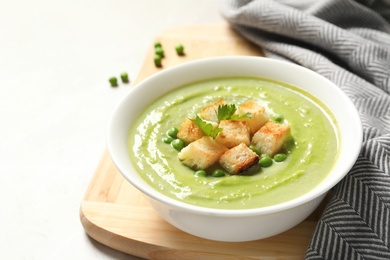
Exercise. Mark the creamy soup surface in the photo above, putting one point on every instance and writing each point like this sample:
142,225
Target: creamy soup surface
312,151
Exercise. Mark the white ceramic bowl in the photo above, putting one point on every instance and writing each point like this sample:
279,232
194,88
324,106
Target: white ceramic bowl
245,224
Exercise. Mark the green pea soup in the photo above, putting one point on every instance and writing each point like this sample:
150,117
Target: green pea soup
312,150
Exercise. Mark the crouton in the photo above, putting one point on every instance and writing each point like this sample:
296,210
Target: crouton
270,137
238,159
233,133
209,113
201,153
189,131
258,115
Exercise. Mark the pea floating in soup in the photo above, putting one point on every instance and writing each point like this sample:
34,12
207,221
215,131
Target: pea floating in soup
310,156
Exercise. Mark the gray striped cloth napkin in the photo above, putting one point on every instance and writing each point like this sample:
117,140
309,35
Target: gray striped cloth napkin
348,42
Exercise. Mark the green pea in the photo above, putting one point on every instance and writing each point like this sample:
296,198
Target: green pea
255,149
159,51
278,118
125,77
218,173
167,139
179,49
157,44
200,173
265,161
280,157
172,132
113,81
178,144
157,60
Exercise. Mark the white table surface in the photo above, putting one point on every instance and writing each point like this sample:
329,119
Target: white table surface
55,101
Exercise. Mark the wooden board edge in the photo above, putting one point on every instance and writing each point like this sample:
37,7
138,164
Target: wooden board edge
112,240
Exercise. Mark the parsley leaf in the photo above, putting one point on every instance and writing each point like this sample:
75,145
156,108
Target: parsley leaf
236,117
226,112
207,128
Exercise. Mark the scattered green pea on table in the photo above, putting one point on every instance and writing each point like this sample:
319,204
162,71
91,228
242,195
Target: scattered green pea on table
113,81
157,61
159,53
124,77
179,49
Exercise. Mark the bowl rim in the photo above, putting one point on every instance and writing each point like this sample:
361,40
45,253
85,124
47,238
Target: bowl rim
305,198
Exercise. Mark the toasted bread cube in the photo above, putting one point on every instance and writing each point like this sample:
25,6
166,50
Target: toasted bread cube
189,131
209,113
238,159
201,153
258,115
233,133
270,138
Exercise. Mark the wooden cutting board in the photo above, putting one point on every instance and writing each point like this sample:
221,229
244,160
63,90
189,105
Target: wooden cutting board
116,214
